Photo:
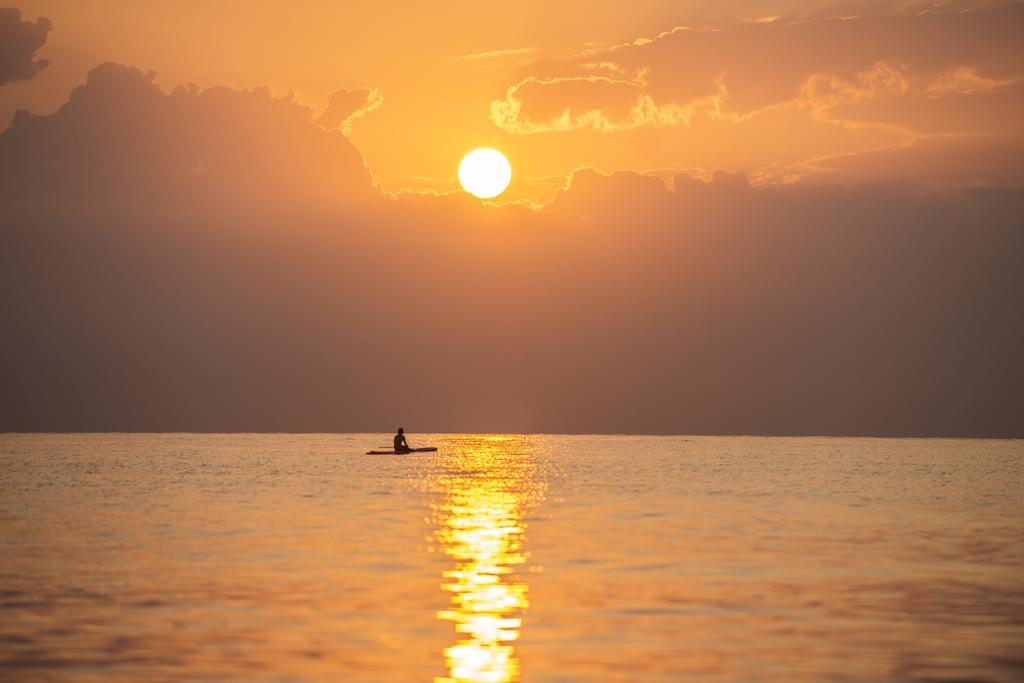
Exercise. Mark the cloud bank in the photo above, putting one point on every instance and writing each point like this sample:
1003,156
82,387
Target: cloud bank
19,41
217,260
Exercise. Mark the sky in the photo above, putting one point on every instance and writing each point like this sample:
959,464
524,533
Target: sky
747,217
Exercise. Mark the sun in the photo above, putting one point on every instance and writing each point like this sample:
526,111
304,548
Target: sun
485,173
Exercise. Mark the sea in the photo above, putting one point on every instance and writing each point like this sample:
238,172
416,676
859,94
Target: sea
554,559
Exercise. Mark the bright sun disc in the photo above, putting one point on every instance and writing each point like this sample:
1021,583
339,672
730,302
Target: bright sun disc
485,173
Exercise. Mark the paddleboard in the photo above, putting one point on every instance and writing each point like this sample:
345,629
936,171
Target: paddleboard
411,450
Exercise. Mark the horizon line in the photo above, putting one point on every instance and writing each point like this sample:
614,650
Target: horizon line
491,433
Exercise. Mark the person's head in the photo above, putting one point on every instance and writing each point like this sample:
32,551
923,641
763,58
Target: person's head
401,431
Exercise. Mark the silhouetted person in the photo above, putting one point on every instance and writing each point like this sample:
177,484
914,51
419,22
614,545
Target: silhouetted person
401,445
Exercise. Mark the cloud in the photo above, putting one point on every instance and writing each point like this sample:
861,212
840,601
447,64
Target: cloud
991,112
344,106
727,96
495,54
216,260
19,41
941,160
539,105
899,47
597,101
121,144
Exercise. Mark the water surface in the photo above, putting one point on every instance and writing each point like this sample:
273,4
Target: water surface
505,558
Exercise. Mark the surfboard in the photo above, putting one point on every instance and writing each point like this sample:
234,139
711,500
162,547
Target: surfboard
430,449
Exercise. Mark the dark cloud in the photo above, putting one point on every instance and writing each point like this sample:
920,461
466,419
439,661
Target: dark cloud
179,262
120,144
19,41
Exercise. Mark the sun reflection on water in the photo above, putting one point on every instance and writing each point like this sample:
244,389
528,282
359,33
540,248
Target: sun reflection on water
486,488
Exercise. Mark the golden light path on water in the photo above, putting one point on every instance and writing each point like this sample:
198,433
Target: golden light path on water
485,492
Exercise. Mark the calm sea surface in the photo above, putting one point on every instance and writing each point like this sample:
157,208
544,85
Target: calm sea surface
503,558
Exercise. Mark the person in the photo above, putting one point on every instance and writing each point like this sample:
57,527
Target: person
401,445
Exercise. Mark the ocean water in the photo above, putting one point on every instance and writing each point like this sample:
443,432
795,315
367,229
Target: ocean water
502,558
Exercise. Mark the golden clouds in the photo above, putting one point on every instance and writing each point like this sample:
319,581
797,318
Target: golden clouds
607,105
725,95
965,80
344,106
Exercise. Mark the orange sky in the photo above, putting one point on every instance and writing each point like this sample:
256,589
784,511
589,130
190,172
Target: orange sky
776,98
776,219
